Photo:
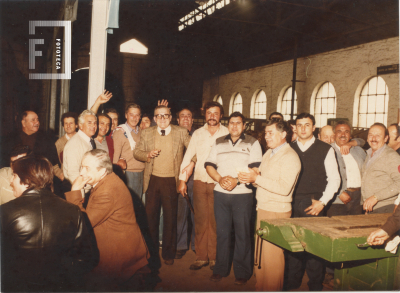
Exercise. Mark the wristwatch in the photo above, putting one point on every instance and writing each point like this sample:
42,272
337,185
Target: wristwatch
238,182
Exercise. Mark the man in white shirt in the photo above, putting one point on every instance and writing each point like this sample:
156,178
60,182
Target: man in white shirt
348,199
69,121
203,187
79,144
318,182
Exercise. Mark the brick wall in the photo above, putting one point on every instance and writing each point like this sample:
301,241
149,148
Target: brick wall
347,69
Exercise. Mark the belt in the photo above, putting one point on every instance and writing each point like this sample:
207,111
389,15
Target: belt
354,189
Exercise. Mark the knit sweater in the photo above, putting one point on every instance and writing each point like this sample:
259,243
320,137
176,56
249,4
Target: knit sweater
278,178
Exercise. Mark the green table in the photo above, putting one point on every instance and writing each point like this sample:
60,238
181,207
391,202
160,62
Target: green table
335,240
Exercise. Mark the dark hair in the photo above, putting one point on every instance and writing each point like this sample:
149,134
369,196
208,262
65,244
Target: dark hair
111,110
34,171
20,150
291,122
146,115
211,104
132,105
184,108
280,125
381,125
98,121
341,122
237,114
25,113
275,113
397,128
69,115
306,115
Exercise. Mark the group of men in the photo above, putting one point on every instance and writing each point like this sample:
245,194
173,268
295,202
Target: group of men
215,169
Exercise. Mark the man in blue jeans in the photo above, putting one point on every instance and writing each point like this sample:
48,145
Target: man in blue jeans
233,201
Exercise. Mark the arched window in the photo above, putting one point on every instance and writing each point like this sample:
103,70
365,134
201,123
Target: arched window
324,105
373,103
259,105
218,99
236,103
285,104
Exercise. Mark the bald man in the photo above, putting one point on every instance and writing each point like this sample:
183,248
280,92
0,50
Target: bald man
326,134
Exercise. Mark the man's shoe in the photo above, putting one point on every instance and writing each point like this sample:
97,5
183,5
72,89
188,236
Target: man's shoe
179,254
240,281
212,264
216,277
169,262
198,264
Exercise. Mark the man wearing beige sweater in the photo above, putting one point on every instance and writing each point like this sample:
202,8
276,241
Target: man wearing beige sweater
275,181
126,137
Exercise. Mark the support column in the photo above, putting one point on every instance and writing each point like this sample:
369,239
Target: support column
294,78
98,50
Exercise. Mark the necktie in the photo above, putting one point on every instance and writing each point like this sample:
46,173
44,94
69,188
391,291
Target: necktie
162,132
92,143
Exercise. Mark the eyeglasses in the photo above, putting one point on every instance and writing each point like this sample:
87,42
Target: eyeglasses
162,116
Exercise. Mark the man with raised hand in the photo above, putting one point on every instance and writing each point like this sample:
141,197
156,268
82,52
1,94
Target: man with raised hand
203,185
161,147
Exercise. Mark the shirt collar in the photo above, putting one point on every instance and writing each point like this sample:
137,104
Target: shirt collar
167,130
84,136
308,142
275,150
136,130
376,153
67,136
242,137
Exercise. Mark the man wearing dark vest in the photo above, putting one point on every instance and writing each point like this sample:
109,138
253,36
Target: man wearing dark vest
161,148
319,180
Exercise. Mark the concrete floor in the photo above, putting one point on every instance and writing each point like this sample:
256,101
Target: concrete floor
179,278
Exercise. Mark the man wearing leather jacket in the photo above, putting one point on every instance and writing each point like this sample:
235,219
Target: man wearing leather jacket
45,243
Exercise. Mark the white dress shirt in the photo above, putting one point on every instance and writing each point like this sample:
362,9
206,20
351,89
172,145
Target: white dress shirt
200,145
331,169
352,170
167,130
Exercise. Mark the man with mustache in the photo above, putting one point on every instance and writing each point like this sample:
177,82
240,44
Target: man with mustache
203,186
348,199
380,174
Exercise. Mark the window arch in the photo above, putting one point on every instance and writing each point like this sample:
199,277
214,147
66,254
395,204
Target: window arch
218,99
372,102
285,103
323,105
236,103
259,105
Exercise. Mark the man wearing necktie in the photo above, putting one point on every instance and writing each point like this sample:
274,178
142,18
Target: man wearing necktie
79,144
161,147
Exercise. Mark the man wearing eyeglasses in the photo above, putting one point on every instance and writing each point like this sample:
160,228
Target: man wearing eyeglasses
161,148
